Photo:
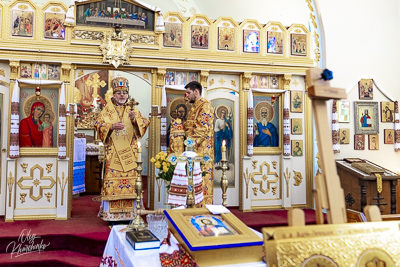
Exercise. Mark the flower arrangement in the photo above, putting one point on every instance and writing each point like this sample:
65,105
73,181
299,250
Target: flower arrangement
166,169
162,161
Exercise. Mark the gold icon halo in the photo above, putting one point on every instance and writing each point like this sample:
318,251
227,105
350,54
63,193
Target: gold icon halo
42,99
178,101
220,108
262,104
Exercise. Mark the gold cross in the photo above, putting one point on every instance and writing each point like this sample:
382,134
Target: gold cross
37,181
95,83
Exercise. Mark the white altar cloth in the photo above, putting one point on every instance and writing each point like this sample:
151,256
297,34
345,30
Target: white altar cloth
118,251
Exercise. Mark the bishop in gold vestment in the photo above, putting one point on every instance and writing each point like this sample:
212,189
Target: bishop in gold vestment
120,126
200,127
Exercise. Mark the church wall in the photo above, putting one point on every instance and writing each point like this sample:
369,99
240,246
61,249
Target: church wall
363,44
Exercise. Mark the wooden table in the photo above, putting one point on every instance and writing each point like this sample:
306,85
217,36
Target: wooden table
360,188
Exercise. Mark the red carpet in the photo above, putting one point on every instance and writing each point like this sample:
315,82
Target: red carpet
272,218
80,240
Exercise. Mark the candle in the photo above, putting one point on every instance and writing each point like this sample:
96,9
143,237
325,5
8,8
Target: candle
139,150
223,150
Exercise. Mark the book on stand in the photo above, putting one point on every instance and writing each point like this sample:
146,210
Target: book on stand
142,239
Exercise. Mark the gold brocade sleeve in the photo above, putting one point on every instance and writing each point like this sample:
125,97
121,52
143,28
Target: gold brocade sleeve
203,123
140,124
103,128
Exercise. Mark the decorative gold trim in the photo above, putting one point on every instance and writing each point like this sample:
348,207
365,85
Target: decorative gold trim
37,208
254,164
22,197
204,77
10,183
161,76
24,166
2,73
55,9
273,190
62,186
308,137
286,81
298,178
211,82
221,81
23,7
233,83
255,190
264,177
116,48
246,177
65,72
14,68
146,76
246,77
61,218
172,19
48,195
287,175
34,217
48,167
275,207
45,152
36,182
274,162
42,177
201,22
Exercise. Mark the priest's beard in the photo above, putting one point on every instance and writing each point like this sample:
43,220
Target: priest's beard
264,121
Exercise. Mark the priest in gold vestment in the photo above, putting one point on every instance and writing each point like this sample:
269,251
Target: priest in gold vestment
200,127
120,126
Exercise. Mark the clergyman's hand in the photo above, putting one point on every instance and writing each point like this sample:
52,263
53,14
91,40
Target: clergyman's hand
118,126
132,115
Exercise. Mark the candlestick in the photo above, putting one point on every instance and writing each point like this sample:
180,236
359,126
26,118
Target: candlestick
224,181
138,223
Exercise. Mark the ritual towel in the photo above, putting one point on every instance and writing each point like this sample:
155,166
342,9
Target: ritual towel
78,184
179,183
198,183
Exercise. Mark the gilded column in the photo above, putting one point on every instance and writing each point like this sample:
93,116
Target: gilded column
160,83
287,78
204,78
246,77
67,76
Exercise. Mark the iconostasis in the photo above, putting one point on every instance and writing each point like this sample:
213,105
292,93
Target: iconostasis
253,75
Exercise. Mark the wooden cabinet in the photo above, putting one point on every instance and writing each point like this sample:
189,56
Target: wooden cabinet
360,187
92,174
